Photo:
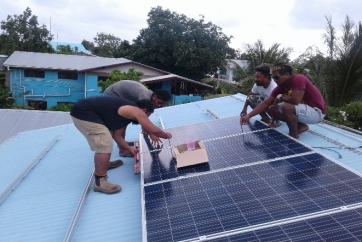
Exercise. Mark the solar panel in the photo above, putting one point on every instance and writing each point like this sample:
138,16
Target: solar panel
253,177
223,152
343,226
212,129
210,203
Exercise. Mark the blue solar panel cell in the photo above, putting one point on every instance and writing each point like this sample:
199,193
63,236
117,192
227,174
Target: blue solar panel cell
222,153
226,200
342,226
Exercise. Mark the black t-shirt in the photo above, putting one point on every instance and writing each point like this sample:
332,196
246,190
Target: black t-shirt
102,110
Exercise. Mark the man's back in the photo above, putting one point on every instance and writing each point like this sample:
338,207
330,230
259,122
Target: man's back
132,91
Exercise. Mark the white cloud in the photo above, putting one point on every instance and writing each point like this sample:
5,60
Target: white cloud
293,23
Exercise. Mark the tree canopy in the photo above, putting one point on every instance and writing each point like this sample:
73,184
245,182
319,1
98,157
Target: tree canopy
22,32
181,45
108,45
257,54
339,75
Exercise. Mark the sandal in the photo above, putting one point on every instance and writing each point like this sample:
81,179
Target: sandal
115,164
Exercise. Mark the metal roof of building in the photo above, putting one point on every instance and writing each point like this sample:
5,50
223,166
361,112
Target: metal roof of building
172,77
44,203
22,59
14,121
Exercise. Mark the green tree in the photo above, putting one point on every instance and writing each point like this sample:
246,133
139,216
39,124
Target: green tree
108,45
257,54
118,75
344,67
314,64
22,32
330,37
181,45
4,93
66,49
89,45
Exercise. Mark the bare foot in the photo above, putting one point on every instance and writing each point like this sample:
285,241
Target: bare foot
295,136
302,128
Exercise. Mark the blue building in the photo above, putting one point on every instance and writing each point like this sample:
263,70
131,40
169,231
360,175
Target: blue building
77,47
44,80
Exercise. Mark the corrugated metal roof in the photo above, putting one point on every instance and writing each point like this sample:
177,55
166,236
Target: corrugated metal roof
172,77
58,61
41,207
14,121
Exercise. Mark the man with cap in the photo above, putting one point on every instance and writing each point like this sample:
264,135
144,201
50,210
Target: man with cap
97,118
134,91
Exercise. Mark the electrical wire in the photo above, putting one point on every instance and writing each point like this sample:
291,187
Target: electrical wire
331,148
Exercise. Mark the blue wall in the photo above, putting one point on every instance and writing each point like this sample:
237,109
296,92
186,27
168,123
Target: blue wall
50,88
184,99
53,90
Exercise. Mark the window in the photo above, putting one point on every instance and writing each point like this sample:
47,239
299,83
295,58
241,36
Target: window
37,104
70,75
34,73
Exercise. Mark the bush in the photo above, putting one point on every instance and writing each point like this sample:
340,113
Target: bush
5,102
336,115
226,88
246,84
62,107
117,76
354,114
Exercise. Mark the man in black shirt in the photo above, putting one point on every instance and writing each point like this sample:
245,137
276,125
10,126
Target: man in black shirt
97,118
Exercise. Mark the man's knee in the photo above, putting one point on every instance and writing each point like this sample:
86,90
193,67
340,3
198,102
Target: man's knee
287,108
272,110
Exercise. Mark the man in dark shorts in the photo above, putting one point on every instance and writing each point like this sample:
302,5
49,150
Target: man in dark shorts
97,118
295,100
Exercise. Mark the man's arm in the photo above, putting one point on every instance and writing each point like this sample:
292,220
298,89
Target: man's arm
118,137
138,115
245,108
258,109
295,98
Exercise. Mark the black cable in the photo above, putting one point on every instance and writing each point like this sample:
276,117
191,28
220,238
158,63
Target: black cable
330,149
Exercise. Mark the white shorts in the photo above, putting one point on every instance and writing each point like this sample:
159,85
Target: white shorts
308,115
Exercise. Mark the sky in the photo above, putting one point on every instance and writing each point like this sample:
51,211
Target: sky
297,24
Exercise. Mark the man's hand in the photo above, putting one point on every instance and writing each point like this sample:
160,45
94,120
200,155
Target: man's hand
155,141
244,119
133,151
243,113
168,135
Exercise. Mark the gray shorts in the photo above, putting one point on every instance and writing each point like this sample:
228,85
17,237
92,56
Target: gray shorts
307,114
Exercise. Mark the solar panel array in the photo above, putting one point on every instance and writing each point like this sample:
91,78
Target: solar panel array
251,179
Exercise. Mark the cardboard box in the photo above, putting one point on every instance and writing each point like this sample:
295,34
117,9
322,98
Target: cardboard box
191,154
